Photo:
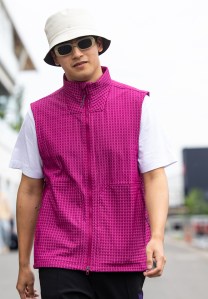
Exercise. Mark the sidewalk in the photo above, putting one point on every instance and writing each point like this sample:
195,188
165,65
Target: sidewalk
196,245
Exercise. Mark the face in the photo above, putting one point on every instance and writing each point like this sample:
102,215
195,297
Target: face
80,64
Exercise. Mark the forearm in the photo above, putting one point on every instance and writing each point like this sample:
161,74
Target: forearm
28,202
156,198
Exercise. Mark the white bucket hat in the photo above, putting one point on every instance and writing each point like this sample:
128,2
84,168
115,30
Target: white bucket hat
69,24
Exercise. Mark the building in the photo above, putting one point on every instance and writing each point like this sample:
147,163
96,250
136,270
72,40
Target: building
14,59
195,162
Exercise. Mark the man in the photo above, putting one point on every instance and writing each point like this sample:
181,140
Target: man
93,189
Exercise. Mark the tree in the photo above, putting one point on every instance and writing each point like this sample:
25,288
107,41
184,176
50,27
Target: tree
196,203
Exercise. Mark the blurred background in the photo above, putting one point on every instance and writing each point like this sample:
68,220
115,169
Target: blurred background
160,46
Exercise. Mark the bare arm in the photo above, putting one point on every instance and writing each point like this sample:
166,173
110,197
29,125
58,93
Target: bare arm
156,198
28,202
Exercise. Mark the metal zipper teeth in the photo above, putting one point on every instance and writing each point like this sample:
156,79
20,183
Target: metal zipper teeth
83,100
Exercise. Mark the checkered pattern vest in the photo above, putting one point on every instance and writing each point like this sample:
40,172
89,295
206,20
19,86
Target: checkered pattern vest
92,215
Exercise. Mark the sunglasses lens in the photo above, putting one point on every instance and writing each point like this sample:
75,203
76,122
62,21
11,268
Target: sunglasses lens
85,43
64,49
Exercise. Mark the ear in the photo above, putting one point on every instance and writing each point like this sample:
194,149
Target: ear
54,58
100,44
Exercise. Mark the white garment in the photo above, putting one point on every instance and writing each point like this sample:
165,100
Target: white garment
155,149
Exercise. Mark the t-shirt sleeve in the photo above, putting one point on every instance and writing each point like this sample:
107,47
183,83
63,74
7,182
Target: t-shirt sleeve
155,148
25,155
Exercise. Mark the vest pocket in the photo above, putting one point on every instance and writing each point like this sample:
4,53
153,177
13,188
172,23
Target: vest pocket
120,223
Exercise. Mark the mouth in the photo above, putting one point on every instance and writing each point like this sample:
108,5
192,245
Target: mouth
79,63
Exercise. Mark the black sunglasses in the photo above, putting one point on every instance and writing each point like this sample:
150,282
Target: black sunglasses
67,47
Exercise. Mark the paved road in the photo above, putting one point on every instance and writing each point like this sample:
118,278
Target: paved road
185,276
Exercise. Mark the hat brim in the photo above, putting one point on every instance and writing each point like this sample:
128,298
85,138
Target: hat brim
49,59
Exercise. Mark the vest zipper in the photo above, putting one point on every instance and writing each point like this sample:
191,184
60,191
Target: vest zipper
87,270
83,100
89,167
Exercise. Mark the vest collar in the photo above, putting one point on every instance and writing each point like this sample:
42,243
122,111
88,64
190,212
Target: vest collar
77,93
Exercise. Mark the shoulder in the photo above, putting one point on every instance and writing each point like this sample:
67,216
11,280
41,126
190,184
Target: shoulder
128,89
47,99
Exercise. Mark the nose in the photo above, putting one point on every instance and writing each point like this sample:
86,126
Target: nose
76,52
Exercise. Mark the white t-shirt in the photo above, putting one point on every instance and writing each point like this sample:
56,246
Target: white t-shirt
155,149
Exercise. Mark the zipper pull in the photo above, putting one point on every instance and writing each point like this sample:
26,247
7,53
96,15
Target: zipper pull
87,270
83,100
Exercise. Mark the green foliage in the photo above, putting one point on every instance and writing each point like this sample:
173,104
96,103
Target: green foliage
196,202
2,114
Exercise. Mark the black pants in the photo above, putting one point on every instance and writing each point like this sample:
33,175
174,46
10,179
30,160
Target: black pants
58,283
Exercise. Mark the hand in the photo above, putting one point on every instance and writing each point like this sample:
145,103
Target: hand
155,258
25,283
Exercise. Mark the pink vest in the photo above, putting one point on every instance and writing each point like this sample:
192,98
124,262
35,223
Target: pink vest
92,215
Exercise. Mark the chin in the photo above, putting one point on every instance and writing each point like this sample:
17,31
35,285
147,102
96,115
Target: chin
83,78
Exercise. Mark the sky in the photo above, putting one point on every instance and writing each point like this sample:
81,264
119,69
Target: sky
160,46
